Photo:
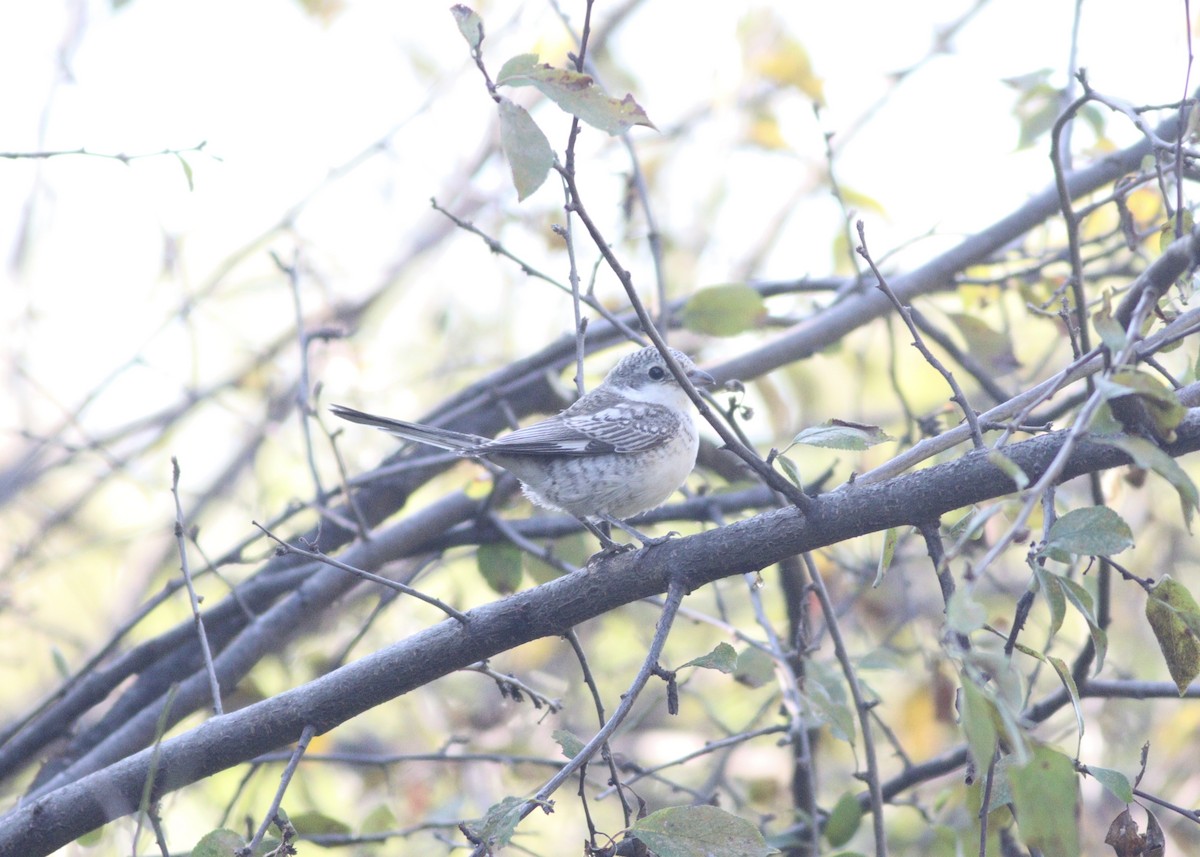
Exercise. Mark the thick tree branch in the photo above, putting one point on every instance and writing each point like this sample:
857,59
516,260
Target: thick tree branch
523,388
45,823
832,324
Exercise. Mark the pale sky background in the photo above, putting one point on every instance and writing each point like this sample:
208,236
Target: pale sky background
281,97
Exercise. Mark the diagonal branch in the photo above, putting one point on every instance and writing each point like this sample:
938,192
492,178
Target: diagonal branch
53,819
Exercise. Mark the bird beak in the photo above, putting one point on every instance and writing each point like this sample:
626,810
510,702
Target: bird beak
701,379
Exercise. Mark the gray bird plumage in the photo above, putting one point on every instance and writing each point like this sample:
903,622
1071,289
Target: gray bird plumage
621,449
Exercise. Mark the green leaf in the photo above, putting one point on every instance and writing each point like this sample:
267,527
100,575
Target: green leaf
469,24
978,721
1037,105
1081,599
1115,781
525,147
724,310
187,171
840,434
754,667
1052,592
314,823
1001,795
92,838
964,614
970,526
1046,795
573,550
379,820
1152,457
790,470
1175,617
883,658
723,658
218,843
500,566
890,537
1068,682
497,827
1009,468
826,695
1111,333
991,348
1091,531
570,743
60,663
1162,405
575,93
1166,234
699,831
844,820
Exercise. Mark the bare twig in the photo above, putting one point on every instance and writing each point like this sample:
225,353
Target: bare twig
181,541
861,707
123,157
959,397
304,408
287,547
285,780
674,597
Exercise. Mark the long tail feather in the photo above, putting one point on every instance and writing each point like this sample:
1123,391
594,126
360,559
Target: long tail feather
441,438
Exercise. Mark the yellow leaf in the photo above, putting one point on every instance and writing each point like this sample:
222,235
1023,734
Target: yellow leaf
764,132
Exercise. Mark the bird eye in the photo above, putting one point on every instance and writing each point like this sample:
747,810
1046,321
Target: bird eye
657,373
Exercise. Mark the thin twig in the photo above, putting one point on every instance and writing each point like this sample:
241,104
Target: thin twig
709,747
1021,405
304,408
1184,104
115,156
1189,814
760,467
149,793
989,781
1078,429
515,684
1074,252
861,707
958,396
497,247
214,685
675,593
285,780
286,547
589,681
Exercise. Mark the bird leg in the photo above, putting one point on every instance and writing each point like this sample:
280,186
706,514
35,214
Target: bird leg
647,541
607,545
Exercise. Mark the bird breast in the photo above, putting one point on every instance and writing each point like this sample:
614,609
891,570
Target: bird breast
614,484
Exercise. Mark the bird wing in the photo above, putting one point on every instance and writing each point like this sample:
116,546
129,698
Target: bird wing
618,428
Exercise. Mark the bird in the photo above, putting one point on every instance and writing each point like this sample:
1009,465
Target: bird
619,450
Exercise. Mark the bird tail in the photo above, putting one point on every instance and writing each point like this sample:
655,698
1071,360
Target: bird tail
439,437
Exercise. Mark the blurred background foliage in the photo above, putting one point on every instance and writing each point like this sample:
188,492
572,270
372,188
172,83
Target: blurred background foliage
146,318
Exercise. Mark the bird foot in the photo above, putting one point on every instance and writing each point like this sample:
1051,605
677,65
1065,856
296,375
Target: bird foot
652,541
613,549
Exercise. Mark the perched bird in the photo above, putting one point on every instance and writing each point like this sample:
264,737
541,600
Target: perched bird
619,450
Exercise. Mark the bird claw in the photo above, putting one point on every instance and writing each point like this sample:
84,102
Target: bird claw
652,541
618,548
610,550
